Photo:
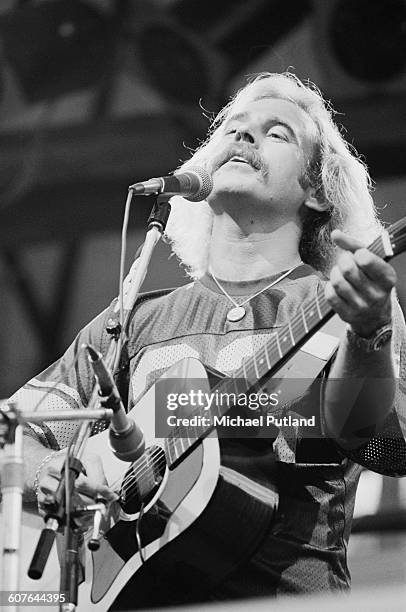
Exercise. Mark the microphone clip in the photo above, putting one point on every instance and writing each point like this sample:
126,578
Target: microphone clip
159,214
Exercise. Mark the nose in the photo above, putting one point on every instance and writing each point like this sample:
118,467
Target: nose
245,133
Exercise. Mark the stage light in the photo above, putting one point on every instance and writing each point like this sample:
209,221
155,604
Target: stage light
55,46
368,38
175,61
198,46
242,30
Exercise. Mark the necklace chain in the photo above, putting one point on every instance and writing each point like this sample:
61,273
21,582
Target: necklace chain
238,312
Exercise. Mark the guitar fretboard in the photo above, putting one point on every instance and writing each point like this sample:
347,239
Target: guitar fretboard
283,343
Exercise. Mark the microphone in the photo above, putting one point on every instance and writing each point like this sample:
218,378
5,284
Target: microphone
195,184
126,438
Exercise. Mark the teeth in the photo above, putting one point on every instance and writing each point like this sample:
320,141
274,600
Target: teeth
239,159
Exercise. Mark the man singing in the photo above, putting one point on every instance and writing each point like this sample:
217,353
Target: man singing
289,217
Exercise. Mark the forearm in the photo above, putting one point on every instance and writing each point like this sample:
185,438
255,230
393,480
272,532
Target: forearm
359,393
90,484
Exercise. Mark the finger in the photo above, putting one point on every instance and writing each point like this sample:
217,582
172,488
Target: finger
55,466
376,269
94,468
339,305
345,290
95,484
93,490
350,270
356,277
48,484
345,242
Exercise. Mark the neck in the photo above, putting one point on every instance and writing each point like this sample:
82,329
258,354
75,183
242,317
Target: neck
238,254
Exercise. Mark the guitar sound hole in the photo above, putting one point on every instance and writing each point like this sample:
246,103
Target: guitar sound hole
142,480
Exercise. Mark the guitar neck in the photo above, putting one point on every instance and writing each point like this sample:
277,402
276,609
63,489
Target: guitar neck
264,363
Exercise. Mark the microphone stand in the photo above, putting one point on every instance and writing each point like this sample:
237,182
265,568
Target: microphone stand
155,227
12,478
59,515
156,224
116,329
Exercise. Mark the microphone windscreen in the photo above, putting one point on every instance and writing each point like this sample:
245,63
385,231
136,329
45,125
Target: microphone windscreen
201,183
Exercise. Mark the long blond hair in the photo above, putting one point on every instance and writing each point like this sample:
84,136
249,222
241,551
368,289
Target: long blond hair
339,176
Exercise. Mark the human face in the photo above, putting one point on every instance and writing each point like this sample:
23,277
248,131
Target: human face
265,145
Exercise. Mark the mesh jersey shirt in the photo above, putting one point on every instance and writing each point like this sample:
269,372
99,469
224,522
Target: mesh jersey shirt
305,550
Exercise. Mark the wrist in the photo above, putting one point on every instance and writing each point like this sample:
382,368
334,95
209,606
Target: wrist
372,342
39,469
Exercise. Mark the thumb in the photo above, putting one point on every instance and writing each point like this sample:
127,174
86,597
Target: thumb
345,242
95,484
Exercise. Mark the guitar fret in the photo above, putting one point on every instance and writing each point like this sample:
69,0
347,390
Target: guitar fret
304,319
291,333
183,441
196,435
256,367
167,445
244,371
267,356
174,449
278,344
318,307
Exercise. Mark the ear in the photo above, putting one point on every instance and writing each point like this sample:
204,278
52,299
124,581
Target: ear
312,202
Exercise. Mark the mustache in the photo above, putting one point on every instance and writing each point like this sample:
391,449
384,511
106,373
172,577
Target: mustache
250,154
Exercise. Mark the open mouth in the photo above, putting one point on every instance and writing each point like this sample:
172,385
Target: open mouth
239,160
236,156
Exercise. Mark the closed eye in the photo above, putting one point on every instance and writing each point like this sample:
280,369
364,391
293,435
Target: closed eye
278,134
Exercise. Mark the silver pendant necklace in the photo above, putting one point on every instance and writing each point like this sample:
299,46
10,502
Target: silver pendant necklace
238,311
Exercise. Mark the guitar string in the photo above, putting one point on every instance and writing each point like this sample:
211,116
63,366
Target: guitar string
144,469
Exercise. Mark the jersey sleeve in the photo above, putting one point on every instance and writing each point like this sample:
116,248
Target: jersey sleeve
385,453
65,385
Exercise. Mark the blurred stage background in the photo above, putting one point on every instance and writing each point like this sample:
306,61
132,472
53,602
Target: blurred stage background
97,94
